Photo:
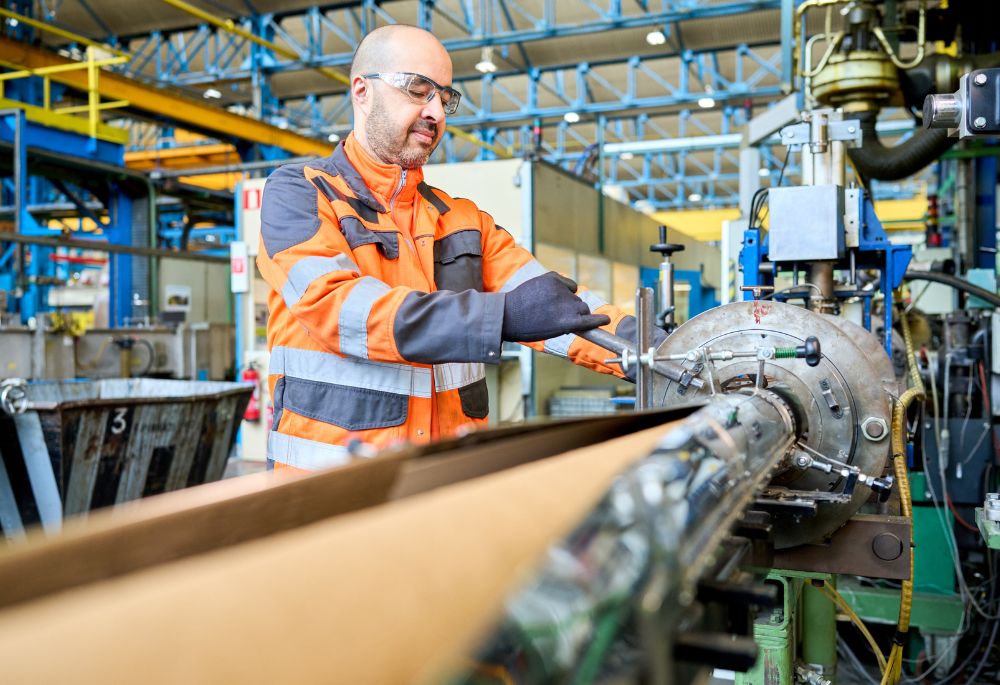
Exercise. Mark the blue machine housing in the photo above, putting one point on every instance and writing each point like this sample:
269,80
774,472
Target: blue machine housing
874,251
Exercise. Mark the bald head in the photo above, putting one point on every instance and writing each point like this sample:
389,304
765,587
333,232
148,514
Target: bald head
398,47
390,122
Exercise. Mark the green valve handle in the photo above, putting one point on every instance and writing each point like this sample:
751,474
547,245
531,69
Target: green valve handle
810,352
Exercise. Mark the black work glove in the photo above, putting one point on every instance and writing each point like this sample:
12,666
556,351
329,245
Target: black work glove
545,307
627,329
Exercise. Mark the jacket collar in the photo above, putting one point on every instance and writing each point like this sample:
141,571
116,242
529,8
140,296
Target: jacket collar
371,181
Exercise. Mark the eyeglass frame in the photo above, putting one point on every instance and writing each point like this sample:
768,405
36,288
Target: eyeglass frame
454,95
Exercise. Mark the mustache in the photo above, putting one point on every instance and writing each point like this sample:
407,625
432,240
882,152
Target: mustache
424,127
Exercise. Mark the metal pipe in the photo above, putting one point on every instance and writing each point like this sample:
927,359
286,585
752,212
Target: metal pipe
618,345
821,275
837,165
643,324
726,140
964,211
109,248
157,174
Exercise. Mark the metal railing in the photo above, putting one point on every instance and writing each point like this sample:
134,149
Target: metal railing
94,106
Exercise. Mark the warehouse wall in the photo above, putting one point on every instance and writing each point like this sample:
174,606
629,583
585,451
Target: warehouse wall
209,288
492,185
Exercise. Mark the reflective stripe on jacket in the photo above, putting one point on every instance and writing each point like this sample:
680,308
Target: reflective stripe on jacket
379,335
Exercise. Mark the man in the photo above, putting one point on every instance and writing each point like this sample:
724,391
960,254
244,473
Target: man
387,295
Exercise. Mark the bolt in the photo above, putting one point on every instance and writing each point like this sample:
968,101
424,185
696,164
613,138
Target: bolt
887,546
851,129
980,122
980,79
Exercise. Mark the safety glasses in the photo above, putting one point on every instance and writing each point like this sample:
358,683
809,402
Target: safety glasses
420,89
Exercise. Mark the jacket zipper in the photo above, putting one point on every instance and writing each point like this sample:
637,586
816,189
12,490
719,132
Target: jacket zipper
392,204
399,188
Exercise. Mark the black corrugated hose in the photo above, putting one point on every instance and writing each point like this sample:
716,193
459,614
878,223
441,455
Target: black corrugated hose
873,160
954,282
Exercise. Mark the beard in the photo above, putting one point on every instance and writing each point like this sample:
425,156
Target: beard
392,147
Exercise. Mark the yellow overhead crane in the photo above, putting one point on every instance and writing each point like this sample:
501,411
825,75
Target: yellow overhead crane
161,102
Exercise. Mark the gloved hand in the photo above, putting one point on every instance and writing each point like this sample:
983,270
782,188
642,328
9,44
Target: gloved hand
545,307
627,329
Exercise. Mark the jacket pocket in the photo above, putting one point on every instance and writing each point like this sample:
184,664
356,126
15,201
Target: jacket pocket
458,261
343,405
475,399
357,235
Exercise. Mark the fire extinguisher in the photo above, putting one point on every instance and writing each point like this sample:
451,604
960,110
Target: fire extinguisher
250,375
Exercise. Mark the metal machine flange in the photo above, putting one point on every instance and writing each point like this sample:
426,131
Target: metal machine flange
852,384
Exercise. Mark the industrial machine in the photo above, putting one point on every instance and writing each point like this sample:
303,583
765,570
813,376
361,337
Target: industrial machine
806,439
800,456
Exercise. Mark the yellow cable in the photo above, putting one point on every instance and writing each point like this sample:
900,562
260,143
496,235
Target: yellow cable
838,600
898,437
910,356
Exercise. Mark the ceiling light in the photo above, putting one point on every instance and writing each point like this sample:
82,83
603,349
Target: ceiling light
644,206
485,64
706,102
212,94
656,37
694,197
764,172
333,137
571,117
625,156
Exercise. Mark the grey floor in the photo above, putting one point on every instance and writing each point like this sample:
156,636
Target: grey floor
243,467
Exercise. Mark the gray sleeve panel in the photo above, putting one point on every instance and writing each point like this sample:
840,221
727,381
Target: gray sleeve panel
626,328
289,211
442,327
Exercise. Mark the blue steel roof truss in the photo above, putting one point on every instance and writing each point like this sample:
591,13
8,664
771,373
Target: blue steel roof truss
502,107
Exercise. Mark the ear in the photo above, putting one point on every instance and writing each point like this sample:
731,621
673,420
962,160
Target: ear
360,91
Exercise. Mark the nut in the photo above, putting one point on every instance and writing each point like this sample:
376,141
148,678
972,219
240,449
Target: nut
874,428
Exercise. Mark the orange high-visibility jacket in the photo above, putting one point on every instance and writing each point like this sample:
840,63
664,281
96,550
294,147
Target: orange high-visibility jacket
378,334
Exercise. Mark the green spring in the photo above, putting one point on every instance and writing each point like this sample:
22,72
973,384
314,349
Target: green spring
784,353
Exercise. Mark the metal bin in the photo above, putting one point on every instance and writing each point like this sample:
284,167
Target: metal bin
67,447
